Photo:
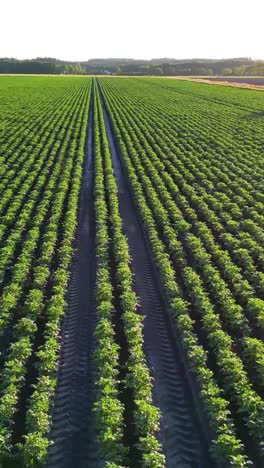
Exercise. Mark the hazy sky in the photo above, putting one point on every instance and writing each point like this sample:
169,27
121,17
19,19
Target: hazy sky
83,29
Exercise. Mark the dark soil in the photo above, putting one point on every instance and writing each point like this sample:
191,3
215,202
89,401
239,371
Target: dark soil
73,429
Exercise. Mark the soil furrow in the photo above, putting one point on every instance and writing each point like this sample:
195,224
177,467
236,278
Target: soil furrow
181,435
73,429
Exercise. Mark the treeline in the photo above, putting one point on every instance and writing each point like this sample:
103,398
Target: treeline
40,67
160,67
170,67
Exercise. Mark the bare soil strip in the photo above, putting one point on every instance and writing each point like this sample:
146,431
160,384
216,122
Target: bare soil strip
258,81
183,441
235,83
73,429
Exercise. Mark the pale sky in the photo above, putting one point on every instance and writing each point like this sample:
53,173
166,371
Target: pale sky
144,29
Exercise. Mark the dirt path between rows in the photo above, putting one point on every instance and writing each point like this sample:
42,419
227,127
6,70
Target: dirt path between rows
73,428
183,441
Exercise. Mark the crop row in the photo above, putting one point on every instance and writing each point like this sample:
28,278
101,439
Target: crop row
198,188
39,248
19,159
198,281
35,218
187,143
145,415
183,195
195,210
221,156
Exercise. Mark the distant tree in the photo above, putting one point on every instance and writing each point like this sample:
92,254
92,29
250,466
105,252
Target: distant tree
227,71
239,71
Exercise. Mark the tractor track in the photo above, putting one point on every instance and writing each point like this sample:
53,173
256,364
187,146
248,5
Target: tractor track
183,438
73,426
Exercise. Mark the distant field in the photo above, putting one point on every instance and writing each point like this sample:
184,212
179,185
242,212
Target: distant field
246,83
131,273
248,80
256,83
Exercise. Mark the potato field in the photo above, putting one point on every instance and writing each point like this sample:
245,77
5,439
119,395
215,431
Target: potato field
131,273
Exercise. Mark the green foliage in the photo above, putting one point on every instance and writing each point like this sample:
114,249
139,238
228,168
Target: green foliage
192,217
193,156
146,416
50,186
